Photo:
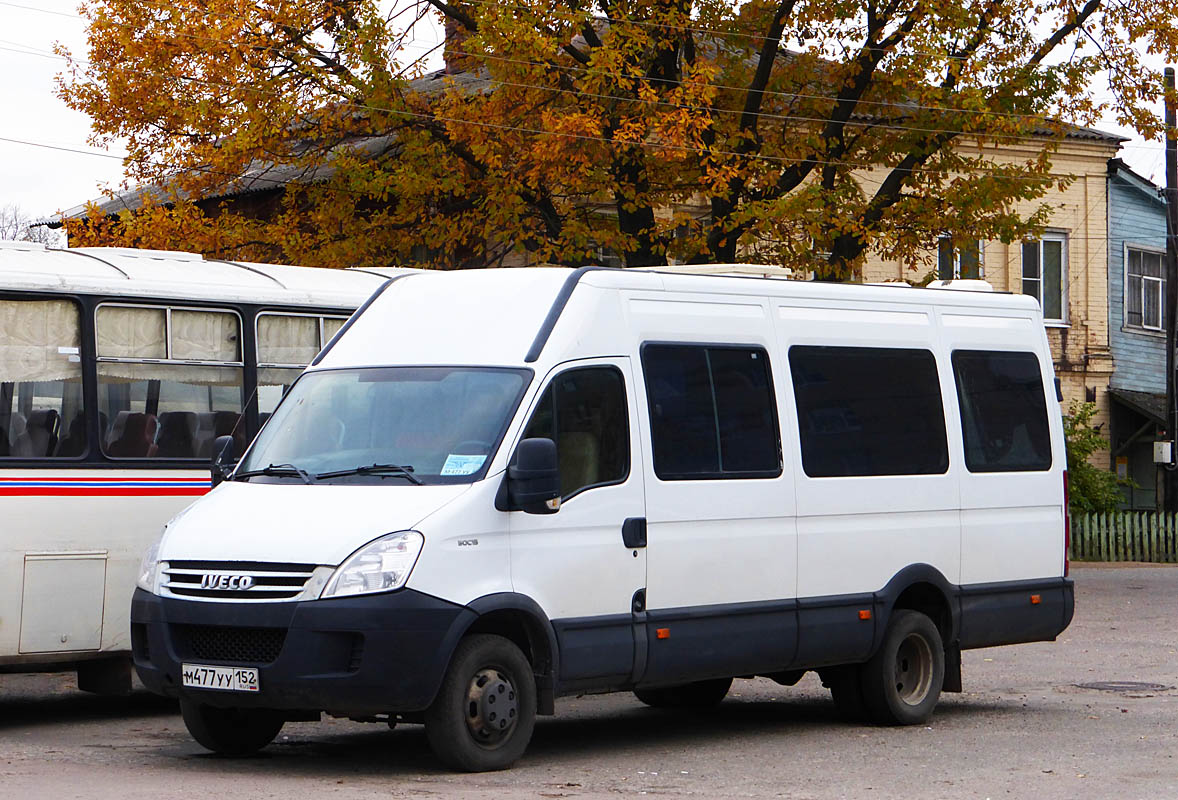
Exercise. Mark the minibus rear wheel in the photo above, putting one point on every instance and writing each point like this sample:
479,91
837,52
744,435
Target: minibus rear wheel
701,694
902,681
483,716
230,731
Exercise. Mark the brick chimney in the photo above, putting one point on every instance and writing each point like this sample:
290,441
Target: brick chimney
454,50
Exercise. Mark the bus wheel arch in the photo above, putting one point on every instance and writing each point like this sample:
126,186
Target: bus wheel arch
520,620
921,587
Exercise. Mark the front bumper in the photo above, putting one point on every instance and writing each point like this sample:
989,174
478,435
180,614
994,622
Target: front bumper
362,655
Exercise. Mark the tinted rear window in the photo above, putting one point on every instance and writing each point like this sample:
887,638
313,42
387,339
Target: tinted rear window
1003,411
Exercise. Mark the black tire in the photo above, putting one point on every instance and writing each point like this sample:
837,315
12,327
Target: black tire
846,689
230,731
485,711
701,694
902,681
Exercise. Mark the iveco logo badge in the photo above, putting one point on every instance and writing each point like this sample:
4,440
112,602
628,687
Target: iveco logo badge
226,582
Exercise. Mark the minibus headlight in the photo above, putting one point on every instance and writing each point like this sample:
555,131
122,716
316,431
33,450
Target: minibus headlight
379,566
149,569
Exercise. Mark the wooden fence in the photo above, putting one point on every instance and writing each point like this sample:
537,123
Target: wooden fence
1125,536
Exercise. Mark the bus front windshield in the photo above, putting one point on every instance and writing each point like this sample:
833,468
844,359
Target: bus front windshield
387,424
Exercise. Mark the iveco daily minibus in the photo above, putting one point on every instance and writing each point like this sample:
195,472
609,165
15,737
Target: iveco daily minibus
494,488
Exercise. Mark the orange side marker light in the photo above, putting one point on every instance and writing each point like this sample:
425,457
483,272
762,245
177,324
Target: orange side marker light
663,633
865,613
1036,599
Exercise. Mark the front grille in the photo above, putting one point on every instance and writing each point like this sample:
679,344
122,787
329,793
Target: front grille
236,645
224,580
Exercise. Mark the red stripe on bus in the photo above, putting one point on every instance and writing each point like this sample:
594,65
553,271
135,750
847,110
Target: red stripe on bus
100,491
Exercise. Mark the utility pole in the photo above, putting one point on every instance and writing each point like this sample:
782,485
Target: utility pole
1171,475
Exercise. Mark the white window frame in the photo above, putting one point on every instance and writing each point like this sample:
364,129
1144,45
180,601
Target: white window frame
957,257
1142,328
1064,274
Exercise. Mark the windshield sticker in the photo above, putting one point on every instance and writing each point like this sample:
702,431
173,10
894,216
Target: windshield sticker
462,465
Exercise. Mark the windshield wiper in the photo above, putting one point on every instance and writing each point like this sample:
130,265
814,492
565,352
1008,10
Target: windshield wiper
277,471
395,470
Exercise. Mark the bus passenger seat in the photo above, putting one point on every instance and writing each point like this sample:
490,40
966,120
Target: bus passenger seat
137,439
177,435
74,442
41,431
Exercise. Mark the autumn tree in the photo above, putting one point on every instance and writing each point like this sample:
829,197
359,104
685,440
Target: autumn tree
806,132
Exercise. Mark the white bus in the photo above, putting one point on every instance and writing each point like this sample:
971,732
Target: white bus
118,369
501,487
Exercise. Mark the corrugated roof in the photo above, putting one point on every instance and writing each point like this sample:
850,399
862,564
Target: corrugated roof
268,175
1149,405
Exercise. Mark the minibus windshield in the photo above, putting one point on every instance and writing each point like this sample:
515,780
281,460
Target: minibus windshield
402,425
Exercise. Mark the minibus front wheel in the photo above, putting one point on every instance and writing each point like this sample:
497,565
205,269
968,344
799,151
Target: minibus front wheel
484,713
230,731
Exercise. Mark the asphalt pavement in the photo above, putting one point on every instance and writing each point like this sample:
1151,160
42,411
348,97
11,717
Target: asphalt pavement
1092,715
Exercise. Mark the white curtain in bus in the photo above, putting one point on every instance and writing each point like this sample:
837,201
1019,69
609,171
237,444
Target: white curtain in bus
124,372
287,340
277,376
131,332
38,339
331,326
205,336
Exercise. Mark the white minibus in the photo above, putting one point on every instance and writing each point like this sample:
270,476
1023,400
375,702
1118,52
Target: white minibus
118,370
497,487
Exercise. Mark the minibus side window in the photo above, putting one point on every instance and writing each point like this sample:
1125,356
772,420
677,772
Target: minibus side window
868,411
712,412
41,380
169,380
287,343
1003,411
584,411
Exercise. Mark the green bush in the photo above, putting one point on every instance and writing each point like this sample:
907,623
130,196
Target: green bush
1092,489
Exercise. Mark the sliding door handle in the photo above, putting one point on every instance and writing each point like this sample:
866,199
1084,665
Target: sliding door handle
634,532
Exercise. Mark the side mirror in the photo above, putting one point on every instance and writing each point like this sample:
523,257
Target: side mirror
533,479
224,458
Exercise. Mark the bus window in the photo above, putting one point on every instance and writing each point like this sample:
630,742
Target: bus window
41,380
169,380
286,344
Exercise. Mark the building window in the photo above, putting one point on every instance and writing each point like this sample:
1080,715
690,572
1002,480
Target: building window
1145,290
1045,275
962,260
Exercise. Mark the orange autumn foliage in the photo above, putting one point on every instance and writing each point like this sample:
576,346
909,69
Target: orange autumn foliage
799,133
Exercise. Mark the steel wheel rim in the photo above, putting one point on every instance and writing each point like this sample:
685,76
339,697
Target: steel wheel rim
492,707
913,677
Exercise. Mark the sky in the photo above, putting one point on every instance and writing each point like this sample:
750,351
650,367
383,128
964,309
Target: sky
42,180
